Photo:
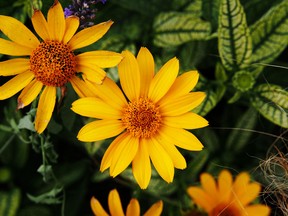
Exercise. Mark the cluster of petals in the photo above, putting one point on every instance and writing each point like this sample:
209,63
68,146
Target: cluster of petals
55,30
115,207
149,116
228,197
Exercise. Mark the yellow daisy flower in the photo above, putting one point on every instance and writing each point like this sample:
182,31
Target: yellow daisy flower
226,197
115,207
150,123
52,62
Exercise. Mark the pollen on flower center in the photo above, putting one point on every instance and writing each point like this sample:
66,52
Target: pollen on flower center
142,118
53,63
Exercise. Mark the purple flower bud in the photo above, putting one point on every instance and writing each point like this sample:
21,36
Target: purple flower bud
84,9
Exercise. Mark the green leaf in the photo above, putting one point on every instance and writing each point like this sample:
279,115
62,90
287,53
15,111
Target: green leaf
241,134
272,102
50,197
191,54
195,8
255,9
100,176
26,123
175,28
210,11
9,202
209,138
220,73
46,171
213,96
270,34
5,175
237,95
35,210
194,167
116,43
142,7
234,40
208,104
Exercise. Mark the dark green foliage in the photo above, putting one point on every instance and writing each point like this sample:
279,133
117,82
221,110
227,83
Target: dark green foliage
236,45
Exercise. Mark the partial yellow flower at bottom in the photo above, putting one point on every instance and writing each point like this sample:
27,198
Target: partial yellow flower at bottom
225,197
150,124
115,207
52,61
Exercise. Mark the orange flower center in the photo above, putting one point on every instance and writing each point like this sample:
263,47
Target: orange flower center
53,63
142,118
225,210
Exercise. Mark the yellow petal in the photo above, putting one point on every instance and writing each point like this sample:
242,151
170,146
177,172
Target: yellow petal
89,35
188,120
56,22
176,157
109,92
161,160
81,88
240,183
45,108
15,84
133,208
141,166
109,153
183,104
13,49
95,108
257,210
129,75
250,193
114,202
97,207
92,73
146,67
182,85
209,185
14,66
124,153
40,25
29,93
72,24
100,129
225,186
201,198
102,59
18,32
181,138
155,209
163,80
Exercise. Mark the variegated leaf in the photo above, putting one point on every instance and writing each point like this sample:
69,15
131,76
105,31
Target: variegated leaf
234,40
175,28
270,34
272,102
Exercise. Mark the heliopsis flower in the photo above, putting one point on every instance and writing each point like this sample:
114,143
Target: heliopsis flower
226,197
149,123
115,207
52,62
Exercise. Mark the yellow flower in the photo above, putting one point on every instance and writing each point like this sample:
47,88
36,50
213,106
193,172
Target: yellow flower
227,197
52,62
150,123
115,207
